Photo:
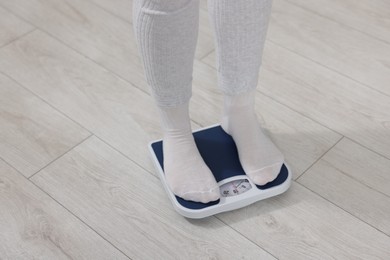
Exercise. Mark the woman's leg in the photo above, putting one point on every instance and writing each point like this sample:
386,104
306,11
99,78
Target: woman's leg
166,32
240,28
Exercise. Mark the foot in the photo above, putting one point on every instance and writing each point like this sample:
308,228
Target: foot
259,157
186,173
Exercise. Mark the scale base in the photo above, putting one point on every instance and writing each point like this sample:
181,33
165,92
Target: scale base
219,152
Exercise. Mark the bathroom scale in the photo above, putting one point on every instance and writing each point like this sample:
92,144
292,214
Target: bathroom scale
220,154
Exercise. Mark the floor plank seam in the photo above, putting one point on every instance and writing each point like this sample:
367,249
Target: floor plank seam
60,156
44,101
95,62
358,181
92,133
308,168
338,22
315,121
79,219
126,156
296,111
77,51
61,205
288,107
111,13
377,153
17,38
331,69
18,16
216,216
356,217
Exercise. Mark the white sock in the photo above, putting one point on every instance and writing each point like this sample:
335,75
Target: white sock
259,157
186,173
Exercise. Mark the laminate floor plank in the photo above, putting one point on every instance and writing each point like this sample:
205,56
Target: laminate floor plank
356,180
128,206
32,133
34,226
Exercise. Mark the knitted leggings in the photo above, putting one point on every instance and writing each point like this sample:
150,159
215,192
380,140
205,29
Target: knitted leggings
166,32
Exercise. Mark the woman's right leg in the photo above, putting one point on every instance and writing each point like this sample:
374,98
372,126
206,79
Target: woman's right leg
166,32
240,28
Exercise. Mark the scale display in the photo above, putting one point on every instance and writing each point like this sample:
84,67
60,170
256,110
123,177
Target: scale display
235,188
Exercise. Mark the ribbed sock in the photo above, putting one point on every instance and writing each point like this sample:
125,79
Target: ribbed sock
186,173
259,156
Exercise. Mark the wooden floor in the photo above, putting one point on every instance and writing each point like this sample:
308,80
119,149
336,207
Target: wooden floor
76,179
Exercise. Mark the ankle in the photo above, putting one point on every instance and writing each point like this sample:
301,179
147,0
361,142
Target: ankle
175,120
242,102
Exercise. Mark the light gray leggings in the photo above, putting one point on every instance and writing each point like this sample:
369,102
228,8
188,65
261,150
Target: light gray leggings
166,32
